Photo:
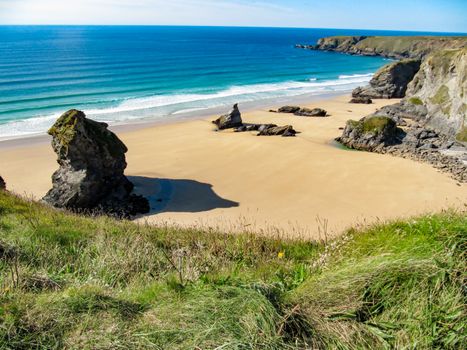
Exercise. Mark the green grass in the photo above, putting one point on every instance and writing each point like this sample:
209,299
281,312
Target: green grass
97,283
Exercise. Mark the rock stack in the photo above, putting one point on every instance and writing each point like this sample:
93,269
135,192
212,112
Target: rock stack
2,184
233,119
91,174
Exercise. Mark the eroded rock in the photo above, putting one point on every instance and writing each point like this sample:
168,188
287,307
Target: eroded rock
289,109
230,120
2,184
361,100
311,112
284,131
91,173
370,133
390,81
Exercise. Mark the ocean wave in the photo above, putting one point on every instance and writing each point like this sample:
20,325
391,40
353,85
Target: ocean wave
162,106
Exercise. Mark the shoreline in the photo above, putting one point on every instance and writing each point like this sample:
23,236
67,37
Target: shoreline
303,187
211,112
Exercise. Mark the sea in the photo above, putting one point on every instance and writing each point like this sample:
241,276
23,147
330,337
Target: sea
128,74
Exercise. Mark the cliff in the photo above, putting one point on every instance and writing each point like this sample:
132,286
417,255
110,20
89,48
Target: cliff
441,85
397,47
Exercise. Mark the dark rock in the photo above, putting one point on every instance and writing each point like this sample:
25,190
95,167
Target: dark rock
308,112
370,133
272,111
231,120
362,100
402,110
2,184
391,81
91,174
289,109
253,127
284,131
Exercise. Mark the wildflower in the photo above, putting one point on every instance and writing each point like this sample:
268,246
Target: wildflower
281,254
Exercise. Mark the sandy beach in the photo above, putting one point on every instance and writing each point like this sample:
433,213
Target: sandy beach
303,186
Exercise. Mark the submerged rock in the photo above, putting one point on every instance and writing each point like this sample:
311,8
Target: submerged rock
2,184
231,120
371,133
91,174
308,112
289,109
391,81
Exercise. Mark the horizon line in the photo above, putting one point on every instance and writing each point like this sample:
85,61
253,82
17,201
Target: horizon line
221,26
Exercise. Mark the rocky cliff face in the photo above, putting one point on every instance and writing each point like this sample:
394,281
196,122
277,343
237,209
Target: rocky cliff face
390,81
399,47
441,86
92,163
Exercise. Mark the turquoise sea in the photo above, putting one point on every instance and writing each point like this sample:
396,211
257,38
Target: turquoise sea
122,74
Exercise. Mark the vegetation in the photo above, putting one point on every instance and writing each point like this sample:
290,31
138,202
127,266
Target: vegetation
462,135
377,124
416,101
74,282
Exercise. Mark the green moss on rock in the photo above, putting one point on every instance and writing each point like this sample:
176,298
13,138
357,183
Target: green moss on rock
377,124
64,128
462,135
441,96
416,101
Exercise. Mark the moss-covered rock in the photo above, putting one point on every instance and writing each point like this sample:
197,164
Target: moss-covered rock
92,163
370,133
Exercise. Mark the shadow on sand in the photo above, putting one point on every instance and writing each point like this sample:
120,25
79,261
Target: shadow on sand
179,195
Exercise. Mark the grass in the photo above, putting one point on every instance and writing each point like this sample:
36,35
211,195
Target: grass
80,283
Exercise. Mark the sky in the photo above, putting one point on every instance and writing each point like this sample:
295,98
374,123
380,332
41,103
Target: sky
417,15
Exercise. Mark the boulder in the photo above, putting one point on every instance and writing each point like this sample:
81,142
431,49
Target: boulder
2,184
230,120
289,109
391,81
284,131
253,127
361,100
308,112
371,133
91,176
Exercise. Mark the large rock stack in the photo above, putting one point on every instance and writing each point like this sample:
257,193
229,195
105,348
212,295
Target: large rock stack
91,174
391,81
2,184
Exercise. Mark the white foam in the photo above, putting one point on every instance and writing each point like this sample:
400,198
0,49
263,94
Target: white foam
165,105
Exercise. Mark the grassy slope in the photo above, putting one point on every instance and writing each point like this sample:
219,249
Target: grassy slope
72,282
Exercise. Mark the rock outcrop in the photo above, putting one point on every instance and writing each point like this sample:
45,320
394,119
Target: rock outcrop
303,112
398,47
284,131
309,112
91,175
361,100
2,184
390,81
371,133
288,109
268,129
380,134
230,120
441,87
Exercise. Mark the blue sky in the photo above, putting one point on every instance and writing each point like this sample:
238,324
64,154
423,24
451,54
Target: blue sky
423,15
